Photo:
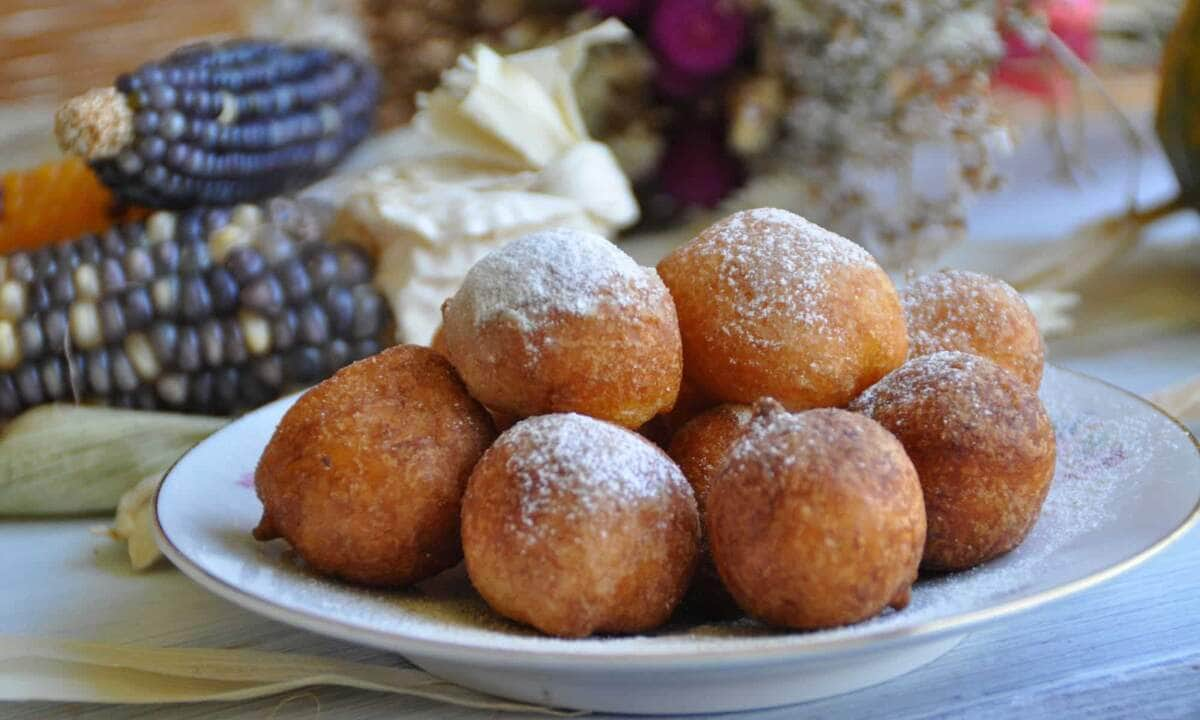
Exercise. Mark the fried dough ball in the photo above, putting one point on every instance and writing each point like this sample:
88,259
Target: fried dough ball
983,447
438,341
501,420
563,321
688,404
700,448
702,445
772,305
365,473
977,314
577,526
816,519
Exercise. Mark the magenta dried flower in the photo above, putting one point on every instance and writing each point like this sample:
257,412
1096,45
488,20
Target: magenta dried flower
697,168
671,82
700,37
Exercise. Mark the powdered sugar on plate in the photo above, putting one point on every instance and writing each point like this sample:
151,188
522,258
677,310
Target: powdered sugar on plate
558,271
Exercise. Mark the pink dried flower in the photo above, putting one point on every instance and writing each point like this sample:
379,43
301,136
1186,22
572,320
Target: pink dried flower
700,37
1027,68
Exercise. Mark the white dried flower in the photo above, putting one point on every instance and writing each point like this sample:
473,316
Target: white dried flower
870,82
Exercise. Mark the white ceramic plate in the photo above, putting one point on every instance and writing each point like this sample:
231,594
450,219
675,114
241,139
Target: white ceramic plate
1126,485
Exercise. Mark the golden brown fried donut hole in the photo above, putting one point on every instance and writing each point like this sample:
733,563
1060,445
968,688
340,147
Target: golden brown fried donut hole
700,449
772,305
983,447
688,404
438,341
577,526
702,445
564,321
816,519
974,313
501,420
365,472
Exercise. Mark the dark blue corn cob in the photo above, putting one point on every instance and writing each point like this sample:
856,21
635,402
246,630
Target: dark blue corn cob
213,311
216,125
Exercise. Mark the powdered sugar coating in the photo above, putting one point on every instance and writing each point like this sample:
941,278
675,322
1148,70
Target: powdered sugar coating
817,519
932,377
975,313
982,445
576,526
552,272
770,304
585,466
563,321
761,441
780,265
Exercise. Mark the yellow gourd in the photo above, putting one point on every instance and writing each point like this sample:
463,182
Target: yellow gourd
52,203
1178,117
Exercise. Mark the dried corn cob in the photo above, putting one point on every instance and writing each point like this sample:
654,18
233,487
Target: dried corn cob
212,311
222,124
54,202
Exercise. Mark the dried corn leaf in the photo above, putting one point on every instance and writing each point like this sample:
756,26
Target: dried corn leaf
69,671
134,523
1148,294
60,459
1053,310
497,151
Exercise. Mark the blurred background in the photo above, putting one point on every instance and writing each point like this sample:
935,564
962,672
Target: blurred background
993,135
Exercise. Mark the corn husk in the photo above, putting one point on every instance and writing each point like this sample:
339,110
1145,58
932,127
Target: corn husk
498,150
66,459
134,524
51,669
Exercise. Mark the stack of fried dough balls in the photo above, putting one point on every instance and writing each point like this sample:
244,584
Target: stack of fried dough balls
571,522
772,498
